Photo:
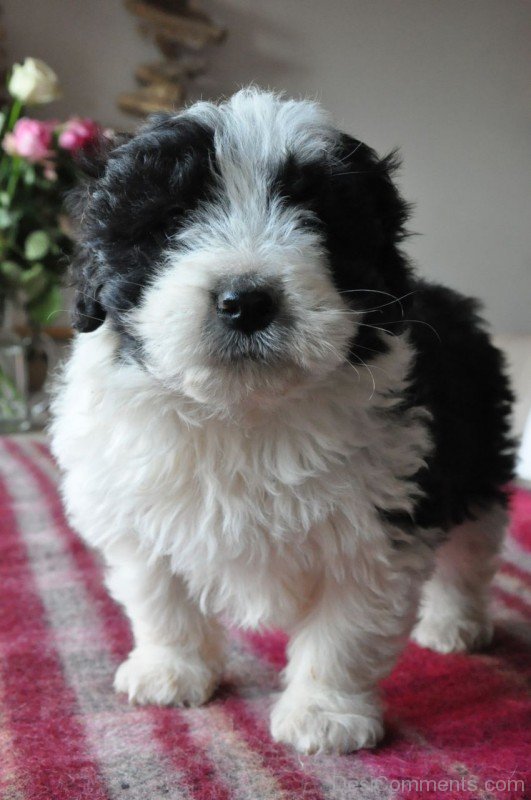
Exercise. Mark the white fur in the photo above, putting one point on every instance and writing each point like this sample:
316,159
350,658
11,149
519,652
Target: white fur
455,602
250,491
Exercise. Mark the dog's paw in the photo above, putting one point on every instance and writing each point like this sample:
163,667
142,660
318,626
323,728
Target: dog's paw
457,634
163,676
326,724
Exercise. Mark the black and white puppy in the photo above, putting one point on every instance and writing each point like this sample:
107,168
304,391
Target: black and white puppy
266,415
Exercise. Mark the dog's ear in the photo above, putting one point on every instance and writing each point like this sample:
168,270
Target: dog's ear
85,272
367,187
87,313
92,159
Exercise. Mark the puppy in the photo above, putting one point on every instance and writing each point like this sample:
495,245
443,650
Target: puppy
266,415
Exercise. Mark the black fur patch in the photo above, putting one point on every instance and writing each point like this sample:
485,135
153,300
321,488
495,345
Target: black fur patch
458,375
355,205
146,189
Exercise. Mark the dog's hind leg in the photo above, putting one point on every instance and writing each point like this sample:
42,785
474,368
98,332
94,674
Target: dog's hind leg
177,655
454,609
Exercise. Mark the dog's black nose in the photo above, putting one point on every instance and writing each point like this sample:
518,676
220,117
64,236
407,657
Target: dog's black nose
247,310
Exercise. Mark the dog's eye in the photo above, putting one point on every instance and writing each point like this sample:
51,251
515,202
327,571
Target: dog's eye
155,223
310,221
299,184
170,217
175,211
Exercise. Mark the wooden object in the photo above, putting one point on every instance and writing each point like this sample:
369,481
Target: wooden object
176,27
151,99
170,71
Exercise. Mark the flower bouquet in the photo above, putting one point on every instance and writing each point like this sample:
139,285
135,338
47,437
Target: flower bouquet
37,166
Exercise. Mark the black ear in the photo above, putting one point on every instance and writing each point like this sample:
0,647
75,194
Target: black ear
92,160
91,163
368,182
87,313
85,274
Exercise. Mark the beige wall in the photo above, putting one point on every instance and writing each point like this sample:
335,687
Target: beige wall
447,80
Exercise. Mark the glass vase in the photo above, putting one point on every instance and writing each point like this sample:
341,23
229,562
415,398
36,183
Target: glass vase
14,406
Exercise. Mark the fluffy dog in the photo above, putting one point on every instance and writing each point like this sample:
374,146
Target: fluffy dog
266,415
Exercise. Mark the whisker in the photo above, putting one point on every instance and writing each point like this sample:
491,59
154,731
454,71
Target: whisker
345,158
69,311
364,347
419,321
369,310
377,328
341,358
371,291
397,300
401,322
367,366
370,373
375,366
368,291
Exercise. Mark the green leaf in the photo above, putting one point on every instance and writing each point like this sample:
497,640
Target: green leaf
36,245
4,199
44,309
29,175
6,219
16,215
11,271
34,281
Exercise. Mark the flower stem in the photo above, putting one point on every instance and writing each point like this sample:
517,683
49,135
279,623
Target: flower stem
14,114
13,178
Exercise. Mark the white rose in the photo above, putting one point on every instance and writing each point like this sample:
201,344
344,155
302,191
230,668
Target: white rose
33,82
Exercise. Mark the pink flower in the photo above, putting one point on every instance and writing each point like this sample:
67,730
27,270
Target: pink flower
30,139
79,132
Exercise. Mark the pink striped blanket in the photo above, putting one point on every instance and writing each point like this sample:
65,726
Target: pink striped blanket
458,726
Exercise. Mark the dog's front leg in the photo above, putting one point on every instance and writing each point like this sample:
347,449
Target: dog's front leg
337,655
178,651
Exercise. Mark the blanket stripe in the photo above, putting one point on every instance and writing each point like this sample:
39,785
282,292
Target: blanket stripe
186,748
34,689
286,770
85,660
131,763
458,726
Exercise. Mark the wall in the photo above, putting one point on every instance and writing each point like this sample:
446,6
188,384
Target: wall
447,80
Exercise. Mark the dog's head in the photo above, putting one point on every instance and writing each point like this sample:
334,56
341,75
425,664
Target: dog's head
240,246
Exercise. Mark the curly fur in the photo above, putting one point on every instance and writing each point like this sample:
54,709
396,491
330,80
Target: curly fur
304,474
